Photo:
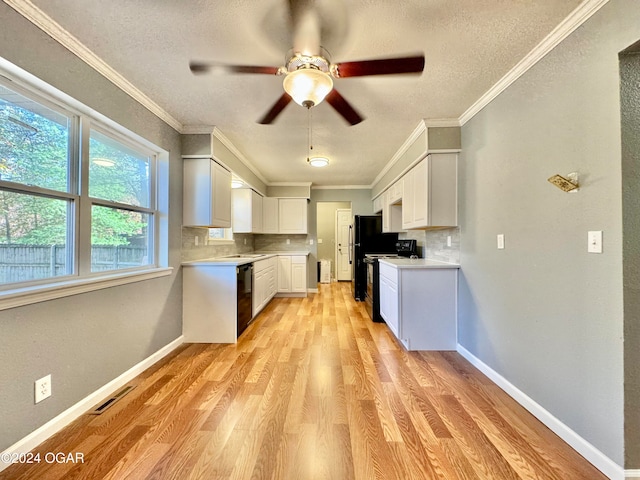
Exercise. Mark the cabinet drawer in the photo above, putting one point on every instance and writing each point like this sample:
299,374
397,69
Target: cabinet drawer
389,272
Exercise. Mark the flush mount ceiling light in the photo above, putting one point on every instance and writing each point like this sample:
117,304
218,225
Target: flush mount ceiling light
237,183
103,162
318,162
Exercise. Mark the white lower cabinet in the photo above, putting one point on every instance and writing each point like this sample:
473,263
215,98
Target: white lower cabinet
292,274
389,297
264,284
420,305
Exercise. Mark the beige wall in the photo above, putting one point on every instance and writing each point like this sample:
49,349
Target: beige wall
326,230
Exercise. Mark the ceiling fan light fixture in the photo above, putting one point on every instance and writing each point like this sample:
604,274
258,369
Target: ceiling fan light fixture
318,161
307,86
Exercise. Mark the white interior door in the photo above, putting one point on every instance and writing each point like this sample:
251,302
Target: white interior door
343,222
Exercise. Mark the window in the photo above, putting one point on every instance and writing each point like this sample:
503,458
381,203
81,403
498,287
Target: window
220,235
37,196
71,206
121,213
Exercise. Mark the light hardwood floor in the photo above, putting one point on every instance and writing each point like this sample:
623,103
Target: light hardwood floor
312,390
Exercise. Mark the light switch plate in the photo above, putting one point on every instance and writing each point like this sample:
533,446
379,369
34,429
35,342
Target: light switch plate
500,239
448,240
594,239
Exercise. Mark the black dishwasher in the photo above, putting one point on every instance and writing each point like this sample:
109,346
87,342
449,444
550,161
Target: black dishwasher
244,309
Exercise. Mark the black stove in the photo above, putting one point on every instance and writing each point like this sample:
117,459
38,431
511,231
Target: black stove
404,248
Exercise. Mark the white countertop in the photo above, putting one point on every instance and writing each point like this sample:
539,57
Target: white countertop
244,258
417,263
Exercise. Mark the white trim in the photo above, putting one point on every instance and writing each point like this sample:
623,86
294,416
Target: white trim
579,444
45,23
50,291
54,425
441,122
290,184
197,129
232,148
632,474
576,18
341,187
312,290
420,128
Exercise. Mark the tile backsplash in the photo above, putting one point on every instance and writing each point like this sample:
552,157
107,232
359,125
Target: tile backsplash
242,243
274,243
190,251
432,244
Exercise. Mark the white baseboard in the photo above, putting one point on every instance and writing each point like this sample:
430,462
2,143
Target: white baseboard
56,424
632,474
579,444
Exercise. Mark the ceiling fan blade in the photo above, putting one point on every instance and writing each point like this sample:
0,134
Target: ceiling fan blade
277,107
343,107
213,67
383,66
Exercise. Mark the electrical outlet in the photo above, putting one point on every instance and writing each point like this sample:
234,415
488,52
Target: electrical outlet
500,239
43,388
448,240
196,240
288,241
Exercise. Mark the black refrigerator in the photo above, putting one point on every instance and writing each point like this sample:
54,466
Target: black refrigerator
367,237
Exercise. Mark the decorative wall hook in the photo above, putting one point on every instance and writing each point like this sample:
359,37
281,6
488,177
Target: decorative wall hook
567,184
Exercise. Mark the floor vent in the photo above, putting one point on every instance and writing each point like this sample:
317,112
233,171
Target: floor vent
109,402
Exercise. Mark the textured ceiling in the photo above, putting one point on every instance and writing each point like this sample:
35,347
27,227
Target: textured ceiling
468,44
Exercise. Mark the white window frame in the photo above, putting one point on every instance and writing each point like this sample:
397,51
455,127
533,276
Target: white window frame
226,240
81,279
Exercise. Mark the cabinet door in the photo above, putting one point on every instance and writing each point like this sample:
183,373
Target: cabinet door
299,274
257,296
221,196
247,211
407,200
420,174
284,273
292,215
256,212
388,277
206,194
386,213
269,215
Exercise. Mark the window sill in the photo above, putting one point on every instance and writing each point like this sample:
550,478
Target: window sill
41,293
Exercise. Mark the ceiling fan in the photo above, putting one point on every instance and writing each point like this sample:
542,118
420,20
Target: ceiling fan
308,72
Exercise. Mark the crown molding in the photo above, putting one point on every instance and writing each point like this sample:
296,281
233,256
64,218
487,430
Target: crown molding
420,128
581,14
341,187
290,184
197,129
441,122
45,23
232,148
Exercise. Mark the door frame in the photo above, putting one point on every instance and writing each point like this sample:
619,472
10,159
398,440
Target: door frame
335,243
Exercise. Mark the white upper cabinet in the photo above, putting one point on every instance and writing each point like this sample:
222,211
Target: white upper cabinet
430,197
247,211
378,204
206,194
270,215
292,215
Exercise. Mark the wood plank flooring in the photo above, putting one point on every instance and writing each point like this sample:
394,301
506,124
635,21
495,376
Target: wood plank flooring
313,390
